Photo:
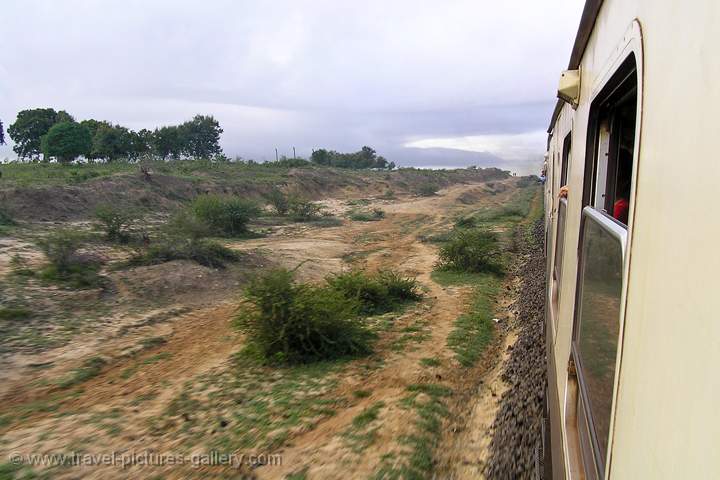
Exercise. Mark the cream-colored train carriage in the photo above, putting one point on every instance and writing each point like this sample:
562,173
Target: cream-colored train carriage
633,310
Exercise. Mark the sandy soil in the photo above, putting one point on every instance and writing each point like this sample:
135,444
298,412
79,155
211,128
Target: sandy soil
117,410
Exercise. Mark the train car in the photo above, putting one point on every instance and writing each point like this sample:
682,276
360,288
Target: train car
633,297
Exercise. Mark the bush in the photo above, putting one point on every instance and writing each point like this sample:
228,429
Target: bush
5,218
115,222
473,250
427,190
376,294
205,252
279,201
185,224
465,222
373,216
401,288
304,210
288,322
225,216
67,264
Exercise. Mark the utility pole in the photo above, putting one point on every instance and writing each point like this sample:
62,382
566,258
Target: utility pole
293,153
276,155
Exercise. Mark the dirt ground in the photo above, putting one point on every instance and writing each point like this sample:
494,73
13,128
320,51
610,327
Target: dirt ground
170,381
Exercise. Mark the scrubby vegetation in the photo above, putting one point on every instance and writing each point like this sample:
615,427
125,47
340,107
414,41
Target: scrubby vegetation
67,264
291,322
377,293
115,222
427,190
224,216
472,250
368,216
203,251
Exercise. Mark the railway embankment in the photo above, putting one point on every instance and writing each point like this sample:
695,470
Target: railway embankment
517,429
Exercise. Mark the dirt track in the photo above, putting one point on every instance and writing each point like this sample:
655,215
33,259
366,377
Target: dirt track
124,408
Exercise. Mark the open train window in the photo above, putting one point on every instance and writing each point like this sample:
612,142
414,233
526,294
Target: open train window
608,178
602,251
561,219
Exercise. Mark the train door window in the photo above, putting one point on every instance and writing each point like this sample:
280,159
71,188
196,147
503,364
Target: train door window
602,249
561,218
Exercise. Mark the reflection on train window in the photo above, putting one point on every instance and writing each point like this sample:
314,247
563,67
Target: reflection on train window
614,121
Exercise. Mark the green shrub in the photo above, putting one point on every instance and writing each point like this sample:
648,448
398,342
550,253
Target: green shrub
67,264
6,218
376,294
225,216
465,222
373,216
302,210
399,287
279,201
115,222
184,224
472,250
205,252
427,190
289,322
14,313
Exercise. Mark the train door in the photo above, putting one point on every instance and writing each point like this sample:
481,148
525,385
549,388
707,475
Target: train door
602,251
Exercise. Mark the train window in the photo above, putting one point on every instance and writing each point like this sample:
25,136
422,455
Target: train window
567,147
560,238
612,141
603,234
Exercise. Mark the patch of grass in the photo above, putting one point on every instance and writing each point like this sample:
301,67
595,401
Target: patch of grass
14,313
368,415
152,342
427,402
430,362
301,475
302,210
473,331
89,369
361,393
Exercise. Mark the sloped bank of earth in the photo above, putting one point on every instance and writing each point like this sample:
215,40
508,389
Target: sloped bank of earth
166,190
515,448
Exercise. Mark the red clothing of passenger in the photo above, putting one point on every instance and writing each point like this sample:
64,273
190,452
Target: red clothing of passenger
621,209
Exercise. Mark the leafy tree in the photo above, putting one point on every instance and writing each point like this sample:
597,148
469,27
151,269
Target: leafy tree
30,126
201,136
141,143
321,157
167,142
111,142
66,141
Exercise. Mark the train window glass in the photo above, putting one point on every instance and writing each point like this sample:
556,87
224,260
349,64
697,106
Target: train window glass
597,322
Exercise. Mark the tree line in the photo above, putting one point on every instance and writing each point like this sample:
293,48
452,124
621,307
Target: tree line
364,158
57,134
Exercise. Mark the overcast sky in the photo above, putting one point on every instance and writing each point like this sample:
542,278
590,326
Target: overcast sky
427,83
